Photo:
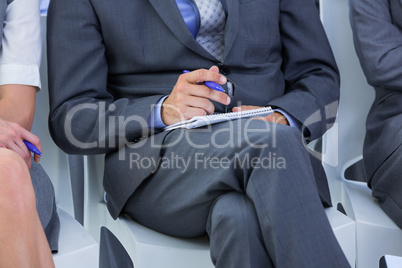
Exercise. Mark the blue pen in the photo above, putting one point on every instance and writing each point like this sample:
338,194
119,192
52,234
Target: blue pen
32,148
210,84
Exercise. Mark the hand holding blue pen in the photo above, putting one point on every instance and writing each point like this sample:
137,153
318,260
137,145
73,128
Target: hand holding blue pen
187,99
32,148
210,84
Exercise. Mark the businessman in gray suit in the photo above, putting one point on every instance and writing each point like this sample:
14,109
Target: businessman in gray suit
116,80
377,32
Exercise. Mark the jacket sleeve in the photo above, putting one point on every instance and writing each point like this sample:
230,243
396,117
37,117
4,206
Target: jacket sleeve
378,42
84,117
309,68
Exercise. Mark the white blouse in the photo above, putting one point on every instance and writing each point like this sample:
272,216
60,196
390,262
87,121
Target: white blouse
20,53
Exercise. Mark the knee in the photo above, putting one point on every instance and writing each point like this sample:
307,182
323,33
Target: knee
286,135
271,136
231,211
16,191
11,165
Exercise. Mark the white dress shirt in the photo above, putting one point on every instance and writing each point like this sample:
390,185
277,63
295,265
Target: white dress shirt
44,4
20,53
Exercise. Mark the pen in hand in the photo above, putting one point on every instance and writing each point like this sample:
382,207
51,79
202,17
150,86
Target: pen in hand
32,148
210,84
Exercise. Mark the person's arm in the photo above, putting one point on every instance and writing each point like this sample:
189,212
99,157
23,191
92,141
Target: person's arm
19,76
19,62
309,68
155,119
84,117
17,104
378,42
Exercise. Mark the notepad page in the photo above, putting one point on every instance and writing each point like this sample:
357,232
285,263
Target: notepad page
199,121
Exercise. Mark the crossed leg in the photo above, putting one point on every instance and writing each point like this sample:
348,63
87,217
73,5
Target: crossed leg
22,237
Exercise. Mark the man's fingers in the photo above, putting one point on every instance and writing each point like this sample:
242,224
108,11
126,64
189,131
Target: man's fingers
188,87
189,107
206,92
202,75
191,97
245,108
277,117
200,103
214,69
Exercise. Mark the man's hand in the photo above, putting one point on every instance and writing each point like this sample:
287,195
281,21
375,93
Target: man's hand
191,98
275,117
12,136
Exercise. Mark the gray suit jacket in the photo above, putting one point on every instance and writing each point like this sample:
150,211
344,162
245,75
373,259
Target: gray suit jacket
111,61
377,27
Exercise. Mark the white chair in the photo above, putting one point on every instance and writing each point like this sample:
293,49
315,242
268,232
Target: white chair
147,248
376,234
389,261
77,248
150,249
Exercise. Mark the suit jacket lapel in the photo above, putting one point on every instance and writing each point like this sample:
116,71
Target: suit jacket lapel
170,14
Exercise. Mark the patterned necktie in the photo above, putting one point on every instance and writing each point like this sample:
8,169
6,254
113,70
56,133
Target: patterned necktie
212,26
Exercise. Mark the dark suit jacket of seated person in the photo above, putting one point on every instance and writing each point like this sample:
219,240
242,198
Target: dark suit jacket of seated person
380,55
111,62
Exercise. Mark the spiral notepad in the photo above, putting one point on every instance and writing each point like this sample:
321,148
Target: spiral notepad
199,121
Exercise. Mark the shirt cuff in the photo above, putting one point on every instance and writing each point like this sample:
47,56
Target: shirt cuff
14,74
293,122
155,119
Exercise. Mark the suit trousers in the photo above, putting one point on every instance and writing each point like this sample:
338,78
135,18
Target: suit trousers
386,184
46,204
249,185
